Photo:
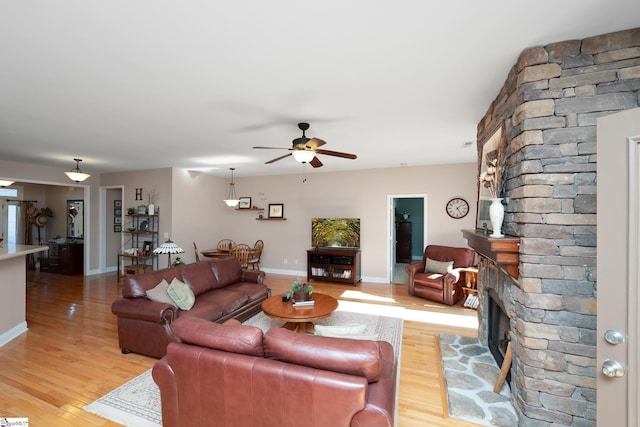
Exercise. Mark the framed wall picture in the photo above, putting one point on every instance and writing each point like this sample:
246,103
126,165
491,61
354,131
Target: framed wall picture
147,247
117,203
245,203
276,210
117,220
490,153
117,228
117,211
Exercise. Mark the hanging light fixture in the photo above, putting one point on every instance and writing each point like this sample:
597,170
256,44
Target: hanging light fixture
303,156
168,248
76,174
232,200
5,183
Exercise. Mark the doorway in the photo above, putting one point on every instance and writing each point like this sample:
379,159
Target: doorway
408,233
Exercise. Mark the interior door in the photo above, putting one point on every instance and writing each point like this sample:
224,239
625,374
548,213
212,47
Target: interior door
618,258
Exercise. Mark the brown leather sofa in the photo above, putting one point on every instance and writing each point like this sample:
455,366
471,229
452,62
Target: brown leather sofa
234,375
444,286
222,291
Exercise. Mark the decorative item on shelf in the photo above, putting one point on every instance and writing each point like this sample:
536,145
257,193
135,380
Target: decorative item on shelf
489,179
301,291
76,174
245,203
131,228
168,248
131,211
152,199
232,200
144,226
178,261
142,209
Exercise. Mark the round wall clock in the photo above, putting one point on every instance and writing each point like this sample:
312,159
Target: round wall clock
457,208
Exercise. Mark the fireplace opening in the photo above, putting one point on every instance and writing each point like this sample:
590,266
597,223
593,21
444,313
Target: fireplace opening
498,331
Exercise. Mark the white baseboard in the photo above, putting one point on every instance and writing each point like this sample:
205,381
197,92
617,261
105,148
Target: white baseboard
12,333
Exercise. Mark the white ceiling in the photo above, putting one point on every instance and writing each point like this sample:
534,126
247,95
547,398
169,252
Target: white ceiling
138,84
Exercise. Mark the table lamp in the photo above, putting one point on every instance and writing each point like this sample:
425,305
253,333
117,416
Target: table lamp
168,248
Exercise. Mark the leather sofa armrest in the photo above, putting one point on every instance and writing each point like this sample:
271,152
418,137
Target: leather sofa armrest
450,290
381,399
165,378
412,269
143,309
254,276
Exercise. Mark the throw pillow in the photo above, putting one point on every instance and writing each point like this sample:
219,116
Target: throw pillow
159,293
340,330
442,267
181,294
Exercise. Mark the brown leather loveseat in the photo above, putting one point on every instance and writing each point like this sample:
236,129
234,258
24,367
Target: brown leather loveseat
236,375
222,289
438,276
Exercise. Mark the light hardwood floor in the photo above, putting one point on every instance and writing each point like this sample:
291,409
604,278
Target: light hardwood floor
69,356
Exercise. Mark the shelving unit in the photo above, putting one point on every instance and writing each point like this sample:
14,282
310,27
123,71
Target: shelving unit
334,265
145,233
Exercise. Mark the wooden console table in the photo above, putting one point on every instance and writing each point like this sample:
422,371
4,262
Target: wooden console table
334,265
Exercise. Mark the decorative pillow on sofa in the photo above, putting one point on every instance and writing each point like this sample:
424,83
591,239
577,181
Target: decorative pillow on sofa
160,294
351,331
181,295
442,267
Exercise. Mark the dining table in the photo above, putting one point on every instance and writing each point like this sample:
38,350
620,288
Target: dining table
219,253
216,253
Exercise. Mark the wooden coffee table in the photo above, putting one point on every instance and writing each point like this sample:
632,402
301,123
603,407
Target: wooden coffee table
299,319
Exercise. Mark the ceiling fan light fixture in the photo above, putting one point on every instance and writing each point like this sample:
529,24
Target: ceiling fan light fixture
5,183
303,156
76,174
232,200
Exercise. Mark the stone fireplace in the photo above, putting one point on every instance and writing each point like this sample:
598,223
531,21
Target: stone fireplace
544,295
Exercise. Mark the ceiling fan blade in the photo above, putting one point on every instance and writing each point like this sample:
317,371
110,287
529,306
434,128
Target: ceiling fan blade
315,162
314,143
337,154
277,158
271,148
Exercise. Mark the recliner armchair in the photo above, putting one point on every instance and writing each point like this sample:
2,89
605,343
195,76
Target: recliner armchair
438,277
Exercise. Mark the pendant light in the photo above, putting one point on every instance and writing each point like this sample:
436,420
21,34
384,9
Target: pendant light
232,200
76,174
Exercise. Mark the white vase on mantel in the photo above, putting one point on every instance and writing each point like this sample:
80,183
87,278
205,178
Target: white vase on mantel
496,215
151,210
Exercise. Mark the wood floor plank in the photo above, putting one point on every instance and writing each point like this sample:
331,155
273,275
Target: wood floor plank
69,356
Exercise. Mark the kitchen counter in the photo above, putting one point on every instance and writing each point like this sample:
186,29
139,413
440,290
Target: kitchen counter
13,285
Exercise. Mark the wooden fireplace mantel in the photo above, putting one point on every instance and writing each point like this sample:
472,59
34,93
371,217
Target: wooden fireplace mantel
504,251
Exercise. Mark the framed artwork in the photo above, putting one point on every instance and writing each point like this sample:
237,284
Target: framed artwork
117,203
117,228
147,247
276,210
491,148
117,220
245,203
117,211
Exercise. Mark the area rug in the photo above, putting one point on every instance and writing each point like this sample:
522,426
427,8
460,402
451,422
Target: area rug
137,402
470,372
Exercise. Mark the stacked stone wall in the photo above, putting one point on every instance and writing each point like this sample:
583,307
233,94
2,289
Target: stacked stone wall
549,103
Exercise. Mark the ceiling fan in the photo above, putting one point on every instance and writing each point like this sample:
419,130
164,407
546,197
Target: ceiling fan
304,149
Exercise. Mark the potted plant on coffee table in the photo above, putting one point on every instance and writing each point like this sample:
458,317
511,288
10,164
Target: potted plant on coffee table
301,291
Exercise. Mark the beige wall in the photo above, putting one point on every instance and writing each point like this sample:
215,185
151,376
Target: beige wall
192,209
362,194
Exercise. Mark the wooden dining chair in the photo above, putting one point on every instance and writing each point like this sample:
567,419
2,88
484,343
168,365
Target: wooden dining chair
225,244
254,259
195,249
242,251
